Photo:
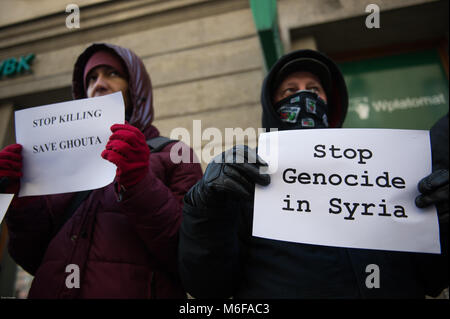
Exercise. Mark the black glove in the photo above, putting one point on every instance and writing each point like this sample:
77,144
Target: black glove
434,190
230,175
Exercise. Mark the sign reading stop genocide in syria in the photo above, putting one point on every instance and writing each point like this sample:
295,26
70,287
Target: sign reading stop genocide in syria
347,188
62,144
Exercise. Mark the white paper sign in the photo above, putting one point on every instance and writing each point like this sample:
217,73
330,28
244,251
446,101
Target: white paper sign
347,188
5,200
62,144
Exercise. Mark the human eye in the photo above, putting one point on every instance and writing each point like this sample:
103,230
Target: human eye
91,78
113,73
315,89
289,90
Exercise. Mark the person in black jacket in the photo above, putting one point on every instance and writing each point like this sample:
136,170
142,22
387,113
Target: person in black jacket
218,256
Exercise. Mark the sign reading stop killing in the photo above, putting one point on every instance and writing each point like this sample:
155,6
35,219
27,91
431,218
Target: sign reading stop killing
62,144
347,188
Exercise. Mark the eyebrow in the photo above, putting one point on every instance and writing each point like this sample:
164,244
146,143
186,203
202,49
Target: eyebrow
313,82
310,82
289,84
106,67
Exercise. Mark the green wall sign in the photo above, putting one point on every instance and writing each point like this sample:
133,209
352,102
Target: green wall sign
265,16
12,66
405,91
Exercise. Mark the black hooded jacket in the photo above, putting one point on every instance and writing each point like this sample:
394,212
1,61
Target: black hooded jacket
219,257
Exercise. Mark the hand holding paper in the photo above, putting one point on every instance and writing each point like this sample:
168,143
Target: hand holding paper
233,173
434,190
62,143
349,188
11,168
128,150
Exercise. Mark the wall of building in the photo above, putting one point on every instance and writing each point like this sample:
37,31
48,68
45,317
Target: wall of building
206,68
19,11
303,13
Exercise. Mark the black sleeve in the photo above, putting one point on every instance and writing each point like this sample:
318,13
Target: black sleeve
434,268
208,254
439,143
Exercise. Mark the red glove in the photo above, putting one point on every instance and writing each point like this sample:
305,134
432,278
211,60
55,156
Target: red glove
128,150
10,168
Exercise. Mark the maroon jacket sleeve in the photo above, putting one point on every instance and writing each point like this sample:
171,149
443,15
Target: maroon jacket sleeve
155,208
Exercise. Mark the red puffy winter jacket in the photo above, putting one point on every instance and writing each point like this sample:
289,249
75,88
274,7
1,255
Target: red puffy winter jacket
123,249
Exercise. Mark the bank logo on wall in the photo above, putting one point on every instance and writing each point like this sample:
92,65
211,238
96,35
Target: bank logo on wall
12,66
363,107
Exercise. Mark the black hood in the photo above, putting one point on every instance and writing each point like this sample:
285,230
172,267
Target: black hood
337,95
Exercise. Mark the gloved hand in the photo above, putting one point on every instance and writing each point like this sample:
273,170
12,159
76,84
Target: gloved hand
128,150
231,175
434,190
10,168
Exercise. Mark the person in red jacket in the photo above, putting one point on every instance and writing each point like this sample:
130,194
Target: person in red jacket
121,241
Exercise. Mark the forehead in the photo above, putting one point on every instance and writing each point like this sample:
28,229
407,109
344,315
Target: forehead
300,77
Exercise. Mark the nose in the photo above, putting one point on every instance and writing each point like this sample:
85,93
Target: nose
302,87
100,82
